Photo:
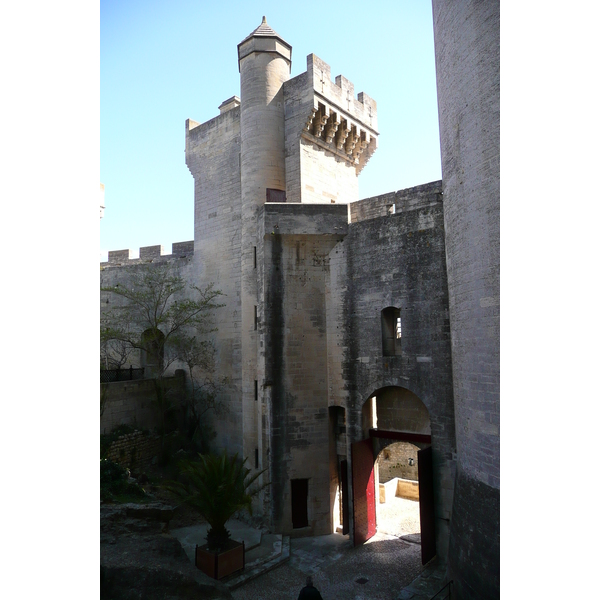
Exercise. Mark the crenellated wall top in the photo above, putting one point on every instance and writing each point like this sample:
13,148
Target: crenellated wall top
337,121
148,254
340,94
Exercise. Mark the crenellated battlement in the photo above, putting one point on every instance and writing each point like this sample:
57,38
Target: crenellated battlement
118,258
339,122
341,93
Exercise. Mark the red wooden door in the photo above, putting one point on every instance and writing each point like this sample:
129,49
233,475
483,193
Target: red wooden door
426,506
363,491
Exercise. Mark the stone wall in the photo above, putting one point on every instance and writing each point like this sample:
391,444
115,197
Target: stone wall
134,403
317,171
393,461
120,269
117,258
293,343
418,197
399,260
136,451
212,154
467,54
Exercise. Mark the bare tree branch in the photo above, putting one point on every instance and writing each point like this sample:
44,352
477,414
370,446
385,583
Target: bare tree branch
159,314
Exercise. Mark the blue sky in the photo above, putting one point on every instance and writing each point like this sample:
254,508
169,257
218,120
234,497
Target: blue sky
164,62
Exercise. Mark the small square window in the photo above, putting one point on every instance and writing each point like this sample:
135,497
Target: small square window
275,195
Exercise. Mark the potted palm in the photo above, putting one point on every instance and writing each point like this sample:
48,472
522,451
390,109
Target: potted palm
217,487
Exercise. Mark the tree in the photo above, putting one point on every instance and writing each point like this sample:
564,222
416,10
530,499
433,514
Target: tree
167,320
217,487
114,354
203,391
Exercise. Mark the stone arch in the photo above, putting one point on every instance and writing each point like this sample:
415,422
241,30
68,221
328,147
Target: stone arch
152,351
395,408
391,414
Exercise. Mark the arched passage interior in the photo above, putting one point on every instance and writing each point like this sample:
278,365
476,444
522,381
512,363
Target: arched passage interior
397,492
391,415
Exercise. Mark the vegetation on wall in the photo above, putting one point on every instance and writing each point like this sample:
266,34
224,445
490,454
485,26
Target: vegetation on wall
168,321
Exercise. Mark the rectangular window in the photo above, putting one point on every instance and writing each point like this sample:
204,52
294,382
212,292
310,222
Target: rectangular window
255,391
275,195
255,257
256,458
255,318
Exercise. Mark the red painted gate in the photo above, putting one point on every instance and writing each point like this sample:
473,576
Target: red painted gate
363,491
426,507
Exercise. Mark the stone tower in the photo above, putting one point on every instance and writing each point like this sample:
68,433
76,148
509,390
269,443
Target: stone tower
264,60
467,53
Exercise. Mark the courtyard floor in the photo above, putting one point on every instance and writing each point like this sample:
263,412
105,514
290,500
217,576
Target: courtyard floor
378,570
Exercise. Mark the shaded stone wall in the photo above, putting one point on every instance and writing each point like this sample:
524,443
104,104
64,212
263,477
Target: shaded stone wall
135,451
399,260
467,51
293,342
121,269
213,158
134,402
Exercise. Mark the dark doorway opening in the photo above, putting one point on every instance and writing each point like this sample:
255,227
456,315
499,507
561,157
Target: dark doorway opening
299,503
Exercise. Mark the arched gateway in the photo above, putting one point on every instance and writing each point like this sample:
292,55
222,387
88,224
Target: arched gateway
389,415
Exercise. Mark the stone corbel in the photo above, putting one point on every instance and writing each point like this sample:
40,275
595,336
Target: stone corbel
320,120
332,127
342,134
367,153
309,123
361,144
352,140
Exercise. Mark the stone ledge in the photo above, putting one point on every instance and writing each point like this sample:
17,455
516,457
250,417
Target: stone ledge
263,567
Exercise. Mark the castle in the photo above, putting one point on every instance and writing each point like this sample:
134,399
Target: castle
349,324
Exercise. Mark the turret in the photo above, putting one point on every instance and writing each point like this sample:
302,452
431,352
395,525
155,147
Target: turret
264,60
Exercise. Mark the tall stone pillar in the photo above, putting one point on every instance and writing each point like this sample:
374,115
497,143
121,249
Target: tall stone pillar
467,53
264,63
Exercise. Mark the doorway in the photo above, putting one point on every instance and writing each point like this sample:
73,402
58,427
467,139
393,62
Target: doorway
299,503
393,415
397,506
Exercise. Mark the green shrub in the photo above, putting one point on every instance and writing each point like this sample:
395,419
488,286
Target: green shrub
216,487
115,485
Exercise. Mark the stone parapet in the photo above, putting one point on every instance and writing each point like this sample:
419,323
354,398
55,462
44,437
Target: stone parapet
148,254
420,196
338,122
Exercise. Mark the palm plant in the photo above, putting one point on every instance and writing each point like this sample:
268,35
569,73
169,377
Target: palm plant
217,487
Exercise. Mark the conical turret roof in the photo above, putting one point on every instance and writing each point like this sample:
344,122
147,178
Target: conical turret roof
264,39
264,30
